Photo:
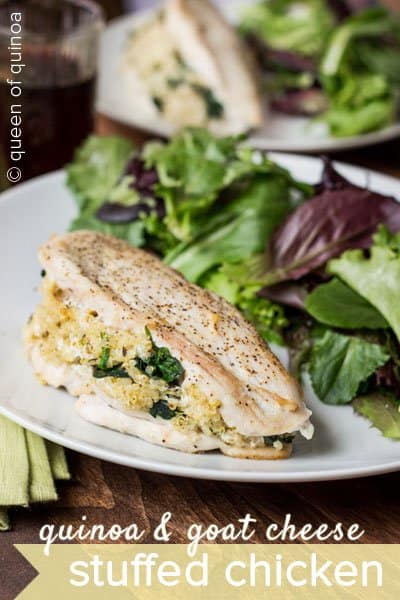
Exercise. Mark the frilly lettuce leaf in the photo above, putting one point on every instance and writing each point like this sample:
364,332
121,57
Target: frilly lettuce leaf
95,176
370,23
295,25
382,410
239,230
96,168
358,103
376,276
195,168
358,74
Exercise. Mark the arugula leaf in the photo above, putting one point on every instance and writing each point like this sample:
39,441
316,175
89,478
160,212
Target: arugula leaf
339,364
102,370
376,277
336,304
165,365
162,410
382,410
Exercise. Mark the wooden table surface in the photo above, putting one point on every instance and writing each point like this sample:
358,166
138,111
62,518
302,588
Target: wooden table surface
108,493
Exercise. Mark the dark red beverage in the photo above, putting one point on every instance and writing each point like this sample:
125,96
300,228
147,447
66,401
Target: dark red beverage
48,63
54,118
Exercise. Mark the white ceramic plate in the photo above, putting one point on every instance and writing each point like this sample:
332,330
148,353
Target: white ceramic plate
344,445
121,97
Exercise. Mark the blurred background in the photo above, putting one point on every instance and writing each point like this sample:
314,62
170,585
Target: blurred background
117,7
61,48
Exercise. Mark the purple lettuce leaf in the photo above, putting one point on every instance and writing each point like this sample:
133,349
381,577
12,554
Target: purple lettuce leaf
144,180
294,293
343,9
287,59
340,216
308,103
330,178
288,292
340,8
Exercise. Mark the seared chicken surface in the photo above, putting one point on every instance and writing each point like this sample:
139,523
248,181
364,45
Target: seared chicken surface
152,355
195,68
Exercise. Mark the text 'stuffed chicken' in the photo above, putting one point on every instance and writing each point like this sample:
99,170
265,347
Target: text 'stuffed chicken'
151,355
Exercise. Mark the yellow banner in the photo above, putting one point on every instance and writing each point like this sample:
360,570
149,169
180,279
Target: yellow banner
242,571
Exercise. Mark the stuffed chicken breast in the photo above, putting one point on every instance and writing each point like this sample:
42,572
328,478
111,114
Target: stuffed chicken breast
194,67
151,355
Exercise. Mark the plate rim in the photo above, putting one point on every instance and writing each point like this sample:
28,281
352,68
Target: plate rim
327,144
134,462
181,470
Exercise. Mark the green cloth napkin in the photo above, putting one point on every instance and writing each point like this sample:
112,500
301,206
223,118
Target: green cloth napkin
29,467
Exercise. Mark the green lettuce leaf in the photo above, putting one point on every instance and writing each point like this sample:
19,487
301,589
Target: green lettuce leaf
375,277
370,23
96,168
191,169
358,102
238,231
357,70
95,176
339,364
195,168
267,317
134,233
383,412
336,304
203,183
379,58
296,25
219,283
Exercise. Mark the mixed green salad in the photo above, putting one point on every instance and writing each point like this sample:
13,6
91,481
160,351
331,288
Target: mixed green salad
338,59
314,268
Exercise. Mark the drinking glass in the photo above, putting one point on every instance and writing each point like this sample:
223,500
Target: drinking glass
48,64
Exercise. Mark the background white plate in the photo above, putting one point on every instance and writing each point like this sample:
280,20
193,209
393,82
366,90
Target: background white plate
343,446
122,98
